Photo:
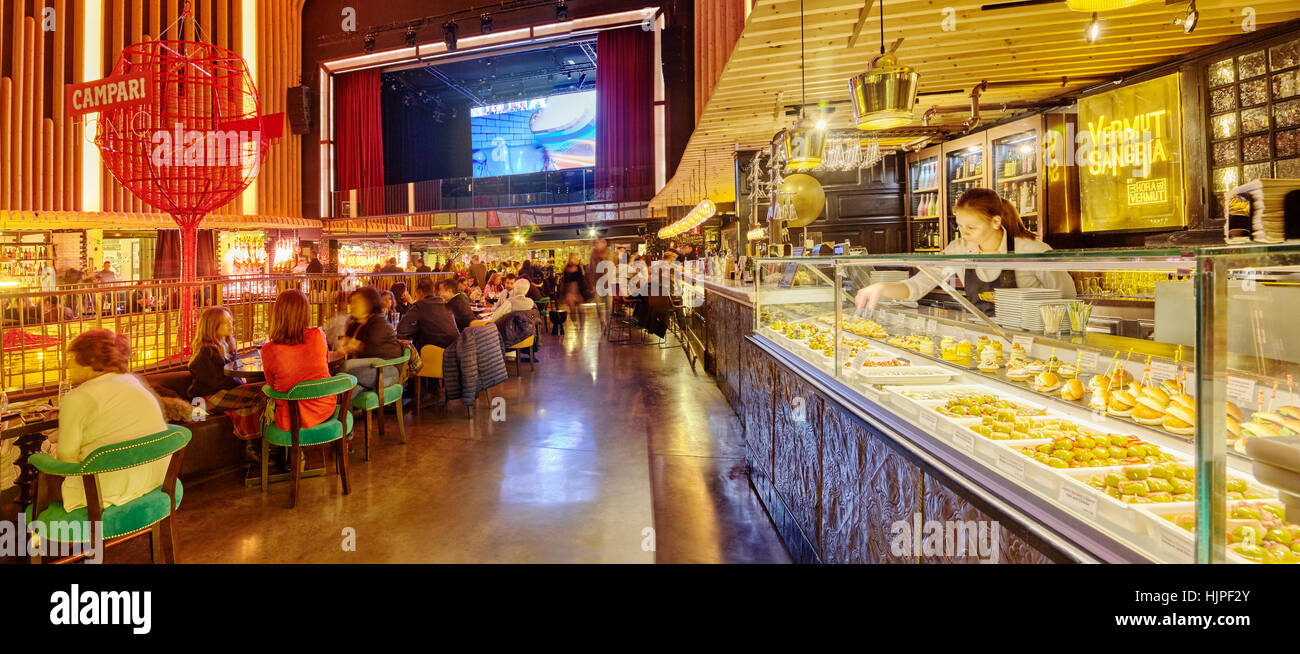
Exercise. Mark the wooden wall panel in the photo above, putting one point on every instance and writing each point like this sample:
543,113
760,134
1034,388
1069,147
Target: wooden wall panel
40,147
718,24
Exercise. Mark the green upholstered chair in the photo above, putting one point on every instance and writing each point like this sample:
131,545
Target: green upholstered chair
332,430
369,401
150,513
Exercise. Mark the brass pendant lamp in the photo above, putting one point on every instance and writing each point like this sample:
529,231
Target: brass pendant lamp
883,96
805,142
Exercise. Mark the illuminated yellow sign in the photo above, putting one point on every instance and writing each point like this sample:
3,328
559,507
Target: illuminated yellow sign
1130,157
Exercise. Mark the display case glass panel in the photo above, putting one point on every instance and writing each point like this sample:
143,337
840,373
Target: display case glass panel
1035,383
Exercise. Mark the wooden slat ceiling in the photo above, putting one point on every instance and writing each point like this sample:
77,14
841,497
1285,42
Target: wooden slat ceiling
1043,42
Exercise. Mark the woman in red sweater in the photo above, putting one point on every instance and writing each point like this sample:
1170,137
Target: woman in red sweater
296,353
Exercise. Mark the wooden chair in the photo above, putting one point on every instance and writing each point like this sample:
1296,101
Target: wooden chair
150,513
332,430
369,401
430,368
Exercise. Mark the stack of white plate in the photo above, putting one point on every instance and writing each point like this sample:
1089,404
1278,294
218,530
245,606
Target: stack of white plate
1017,308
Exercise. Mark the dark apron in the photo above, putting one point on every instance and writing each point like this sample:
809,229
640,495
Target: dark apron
975,285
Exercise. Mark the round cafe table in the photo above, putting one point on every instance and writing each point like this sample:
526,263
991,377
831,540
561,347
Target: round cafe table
250,368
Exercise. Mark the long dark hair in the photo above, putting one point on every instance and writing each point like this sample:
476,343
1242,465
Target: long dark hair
989,204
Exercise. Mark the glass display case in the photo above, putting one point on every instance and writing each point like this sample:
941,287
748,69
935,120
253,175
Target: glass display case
964,169
925,203
1111,432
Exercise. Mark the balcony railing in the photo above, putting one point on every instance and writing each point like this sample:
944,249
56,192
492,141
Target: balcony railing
38,326
558,197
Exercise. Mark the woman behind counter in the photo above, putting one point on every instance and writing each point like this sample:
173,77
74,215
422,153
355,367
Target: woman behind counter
988,225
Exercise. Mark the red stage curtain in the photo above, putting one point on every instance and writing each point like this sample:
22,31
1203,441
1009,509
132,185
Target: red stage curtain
625,115
358,138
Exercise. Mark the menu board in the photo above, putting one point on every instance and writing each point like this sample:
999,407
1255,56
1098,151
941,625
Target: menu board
1130,157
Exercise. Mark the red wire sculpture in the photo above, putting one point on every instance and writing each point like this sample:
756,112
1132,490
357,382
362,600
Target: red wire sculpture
194,147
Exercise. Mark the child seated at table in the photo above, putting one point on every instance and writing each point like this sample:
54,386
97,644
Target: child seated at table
214,349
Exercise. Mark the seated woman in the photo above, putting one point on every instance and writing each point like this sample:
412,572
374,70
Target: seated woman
388,309
296,353
214,349
494,287
368,339
402,298
107,406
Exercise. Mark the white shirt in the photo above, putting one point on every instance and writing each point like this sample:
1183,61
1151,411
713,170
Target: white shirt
918,285
108,409
510,305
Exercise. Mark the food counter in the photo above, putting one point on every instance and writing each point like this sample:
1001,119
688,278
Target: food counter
727,311
1081,446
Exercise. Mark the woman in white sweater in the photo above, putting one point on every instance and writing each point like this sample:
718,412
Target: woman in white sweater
107,406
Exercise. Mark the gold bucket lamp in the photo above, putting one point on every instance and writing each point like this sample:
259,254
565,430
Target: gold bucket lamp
883,96
805,143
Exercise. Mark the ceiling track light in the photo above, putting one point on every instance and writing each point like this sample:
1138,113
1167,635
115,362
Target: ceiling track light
368,43
449,32
1092,33
561,10
485,24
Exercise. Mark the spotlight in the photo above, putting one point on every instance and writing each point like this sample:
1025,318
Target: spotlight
368,43
1093,32
561,10
821,124
1189,21
485,24
449,31
411,35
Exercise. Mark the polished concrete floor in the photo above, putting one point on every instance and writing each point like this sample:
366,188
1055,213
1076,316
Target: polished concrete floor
606,454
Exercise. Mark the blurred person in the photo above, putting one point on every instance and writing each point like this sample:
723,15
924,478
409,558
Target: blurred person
571,282
315,267
52,311
478,271
337,323
391,267
368,339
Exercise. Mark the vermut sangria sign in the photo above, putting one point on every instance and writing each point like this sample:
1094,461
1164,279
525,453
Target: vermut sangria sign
1131,157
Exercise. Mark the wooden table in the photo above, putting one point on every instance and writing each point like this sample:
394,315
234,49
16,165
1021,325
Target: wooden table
250,368
27,437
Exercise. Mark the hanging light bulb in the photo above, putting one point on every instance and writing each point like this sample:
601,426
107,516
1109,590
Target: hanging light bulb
883,96
1093,32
